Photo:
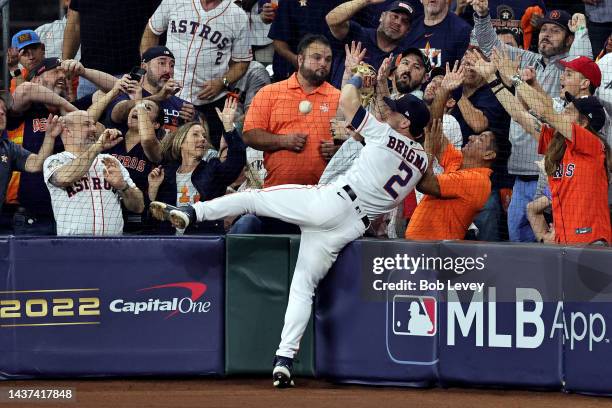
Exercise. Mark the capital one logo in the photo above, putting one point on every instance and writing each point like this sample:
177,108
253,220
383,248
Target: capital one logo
414,315
189,303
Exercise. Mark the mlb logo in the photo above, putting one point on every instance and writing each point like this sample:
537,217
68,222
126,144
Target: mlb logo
414,315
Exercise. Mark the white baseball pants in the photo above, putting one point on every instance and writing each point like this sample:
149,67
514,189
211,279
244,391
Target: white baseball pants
329,220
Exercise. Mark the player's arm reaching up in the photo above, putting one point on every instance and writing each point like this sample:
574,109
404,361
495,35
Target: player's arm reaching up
70,172
350,98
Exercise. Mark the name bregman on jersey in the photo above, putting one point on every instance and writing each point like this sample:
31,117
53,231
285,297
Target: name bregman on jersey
183,26
407,153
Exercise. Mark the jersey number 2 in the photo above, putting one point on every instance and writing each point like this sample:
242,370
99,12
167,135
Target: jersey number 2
398,179
219,56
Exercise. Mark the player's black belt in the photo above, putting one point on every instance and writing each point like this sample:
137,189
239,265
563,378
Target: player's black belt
353,197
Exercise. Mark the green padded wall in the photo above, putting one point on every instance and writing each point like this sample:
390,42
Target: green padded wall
258,274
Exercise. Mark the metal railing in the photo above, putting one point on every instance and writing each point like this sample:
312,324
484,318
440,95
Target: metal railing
4,10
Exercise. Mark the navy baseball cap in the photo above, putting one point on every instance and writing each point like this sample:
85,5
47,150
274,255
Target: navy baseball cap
560,18
46,65
157,51
590,107
401,7
414,109
24,38
412,51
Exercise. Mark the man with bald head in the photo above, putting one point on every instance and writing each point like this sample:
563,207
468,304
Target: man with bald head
87,187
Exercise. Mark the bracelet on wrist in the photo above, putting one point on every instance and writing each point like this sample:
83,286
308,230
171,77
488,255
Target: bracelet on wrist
494,83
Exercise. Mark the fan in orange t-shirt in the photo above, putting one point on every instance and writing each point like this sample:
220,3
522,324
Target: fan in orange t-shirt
574,153
575,162
455,196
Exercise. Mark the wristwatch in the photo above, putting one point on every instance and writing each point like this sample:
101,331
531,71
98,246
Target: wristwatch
516,80
226,82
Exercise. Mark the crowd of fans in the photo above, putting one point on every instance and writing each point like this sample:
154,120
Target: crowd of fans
101,119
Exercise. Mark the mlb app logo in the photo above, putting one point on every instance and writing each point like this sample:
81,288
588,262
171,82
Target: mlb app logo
414,315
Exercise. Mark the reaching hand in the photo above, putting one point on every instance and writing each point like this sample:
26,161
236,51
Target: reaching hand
229,112
578,22
73,68
354,55
385,70
506,66
109,138
55,126
156,177
484,68
453,78
481,7
112,174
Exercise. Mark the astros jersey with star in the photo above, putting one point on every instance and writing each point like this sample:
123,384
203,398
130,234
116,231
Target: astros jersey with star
443,42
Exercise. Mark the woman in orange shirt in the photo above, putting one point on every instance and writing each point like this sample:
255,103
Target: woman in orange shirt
575,154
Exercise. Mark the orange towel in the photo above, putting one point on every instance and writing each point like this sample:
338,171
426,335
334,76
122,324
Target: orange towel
526,24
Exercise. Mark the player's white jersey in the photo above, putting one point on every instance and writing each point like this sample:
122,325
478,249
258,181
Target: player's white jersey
90,206
202,42
389,167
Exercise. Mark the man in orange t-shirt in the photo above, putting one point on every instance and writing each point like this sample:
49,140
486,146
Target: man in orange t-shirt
457,195
289,121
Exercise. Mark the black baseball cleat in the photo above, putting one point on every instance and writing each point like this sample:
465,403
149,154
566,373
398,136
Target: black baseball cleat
179,217
281,375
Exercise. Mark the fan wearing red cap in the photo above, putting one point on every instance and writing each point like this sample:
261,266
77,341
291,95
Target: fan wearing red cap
580,78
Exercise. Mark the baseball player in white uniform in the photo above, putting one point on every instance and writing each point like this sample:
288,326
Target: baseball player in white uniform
330,216
85,186
203,43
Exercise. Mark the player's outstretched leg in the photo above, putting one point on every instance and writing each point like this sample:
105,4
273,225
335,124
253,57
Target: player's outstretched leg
180,217
281,375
